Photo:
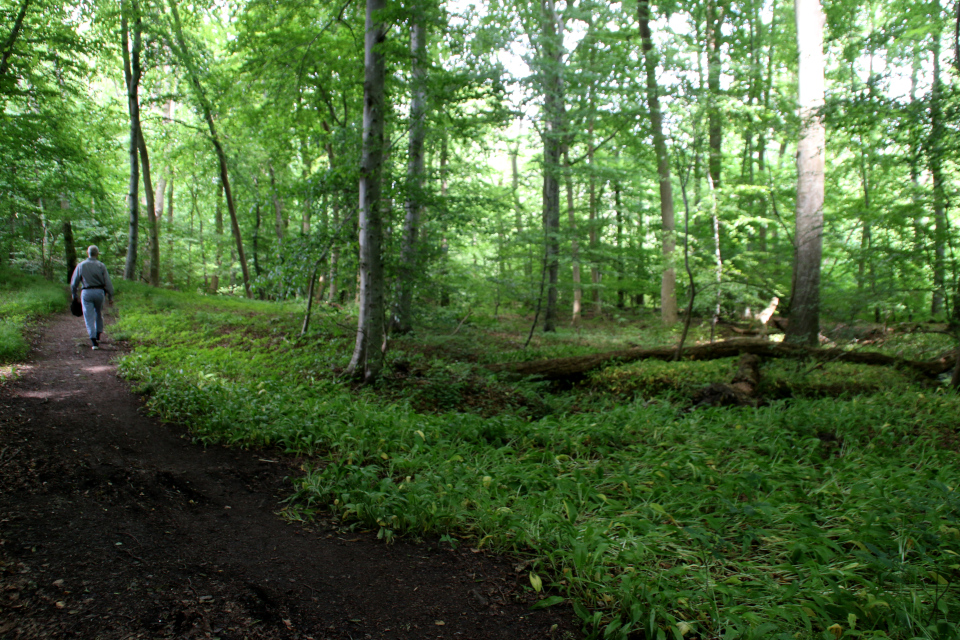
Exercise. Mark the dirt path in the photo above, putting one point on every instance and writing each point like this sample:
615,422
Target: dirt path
113,525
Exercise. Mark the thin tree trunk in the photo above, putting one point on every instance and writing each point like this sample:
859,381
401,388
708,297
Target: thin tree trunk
718,258
594,231
804,323
218,241
618,205
154,272
668,286
518,207
715,125
574,241
187,59
45,257
553,138
207,285
335,252
307,195
69,248
131,73
936,172
256,238
277,204
403,310
367,359
762,138
915,154
866,230
193,213
170,229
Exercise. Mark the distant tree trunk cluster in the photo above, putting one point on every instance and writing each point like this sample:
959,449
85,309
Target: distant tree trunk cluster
519,157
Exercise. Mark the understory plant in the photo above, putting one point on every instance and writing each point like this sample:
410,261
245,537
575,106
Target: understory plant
807,517
23,298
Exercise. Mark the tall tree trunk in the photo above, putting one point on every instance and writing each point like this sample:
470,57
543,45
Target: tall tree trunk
916,151
218,241
715,12
158,198
256,238
618,206
207,285
594,228
718,257
46,258
935,153
517,206
866,229
804,323
367,357
308,193
131,73
574,241
185,56
69,248
668,285
403,310
762,138
170,229
335,251
154,273
444,247
553,139
278,225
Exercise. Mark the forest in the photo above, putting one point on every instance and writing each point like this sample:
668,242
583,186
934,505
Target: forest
663,298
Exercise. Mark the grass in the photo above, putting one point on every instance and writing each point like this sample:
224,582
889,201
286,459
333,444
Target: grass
23,298
818,516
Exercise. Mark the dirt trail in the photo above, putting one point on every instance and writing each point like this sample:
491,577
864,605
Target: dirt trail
113,525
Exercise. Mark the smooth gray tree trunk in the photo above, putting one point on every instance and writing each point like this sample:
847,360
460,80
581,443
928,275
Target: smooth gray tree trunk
367,359
574,243
402,316
668,282
804,325
553,139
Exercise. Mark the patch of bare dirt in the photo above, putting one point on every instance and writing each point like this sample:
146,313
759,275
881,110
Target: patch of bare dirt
113,525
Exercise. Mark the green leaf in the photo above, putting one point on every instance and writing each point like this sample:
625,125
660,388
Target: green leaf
549,601
536,582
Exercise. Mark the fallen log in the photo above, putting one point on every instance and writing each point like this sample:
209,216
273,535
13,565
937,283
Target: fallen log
577,366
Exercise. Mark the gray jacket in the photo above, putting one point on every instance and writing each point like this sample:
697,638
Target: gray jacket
93,275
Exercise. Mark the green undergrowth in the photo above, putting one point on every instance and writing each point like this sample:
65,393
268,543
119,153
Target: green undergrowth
813,517
778,378
23,298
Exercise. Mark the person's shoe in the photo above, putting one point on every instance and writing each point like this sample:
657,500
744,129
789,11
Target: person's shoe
96,345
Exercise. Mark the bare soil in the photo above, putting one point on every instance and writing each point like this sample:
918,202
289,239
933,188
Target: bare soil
114,525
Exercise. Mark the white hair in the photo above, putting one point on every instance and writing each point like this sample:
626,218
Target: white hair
93,251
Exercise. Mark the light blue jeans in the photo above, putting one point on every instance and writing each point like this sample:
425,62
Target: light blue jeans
92,300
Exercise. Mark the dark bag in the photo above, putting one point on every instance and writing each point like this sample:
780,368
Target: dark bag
76,308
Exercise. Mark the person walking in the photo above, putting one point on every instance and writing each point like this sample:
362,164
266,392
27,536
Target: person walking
92,274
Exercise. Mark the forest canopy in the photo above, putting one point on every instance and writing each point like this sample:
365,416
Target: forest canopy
554,159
